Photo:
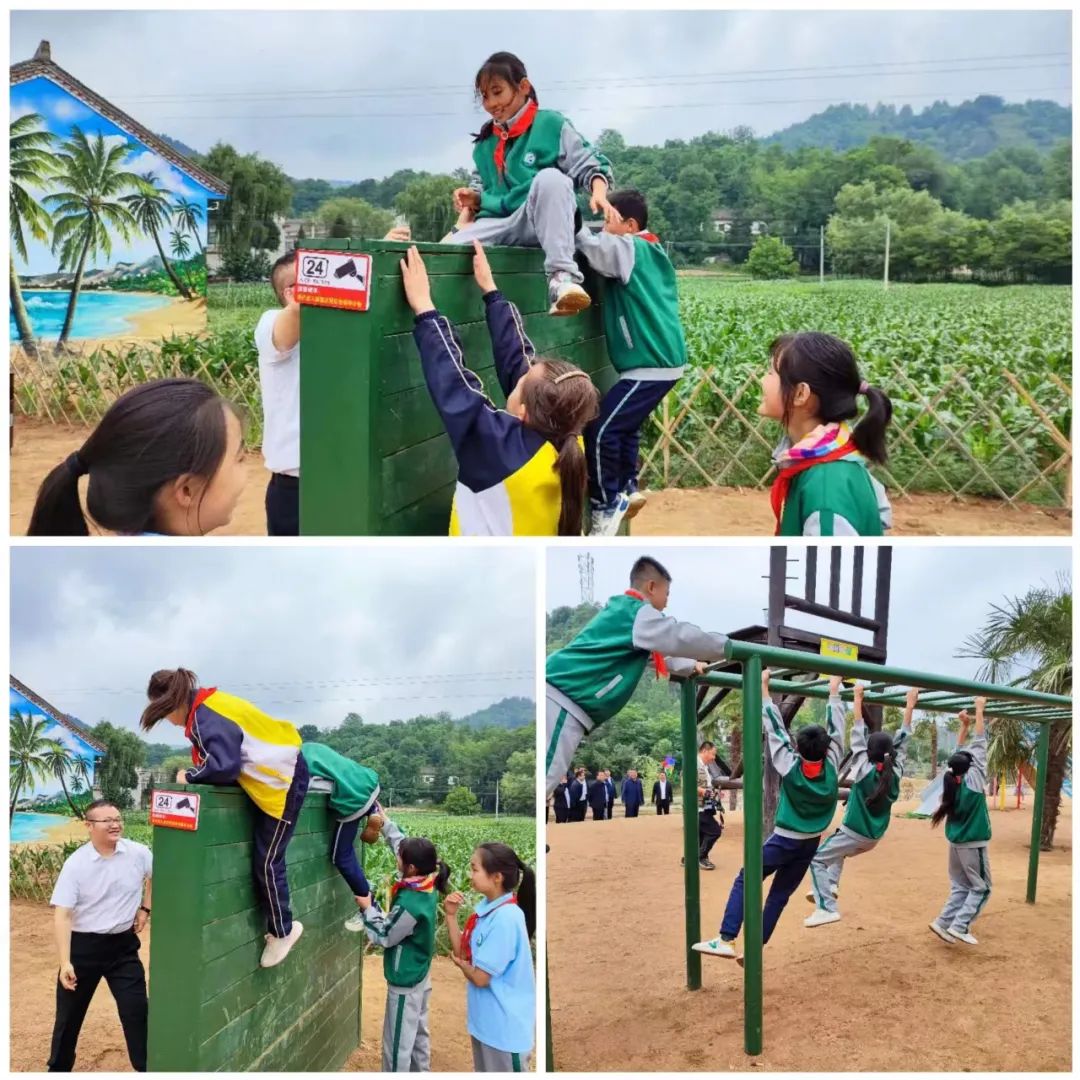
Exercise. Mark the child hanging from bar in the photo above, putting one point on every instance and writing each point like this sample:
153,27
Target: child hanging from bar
233,742
967,828
521,470
595,675
809,786
877,766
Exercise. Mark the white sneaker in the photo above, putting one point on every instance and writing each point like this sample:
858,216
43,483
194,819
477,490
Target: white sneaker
567,298
963,935
356,922
811,898
607,522
277,948
715,947
635,503
821,917
941,931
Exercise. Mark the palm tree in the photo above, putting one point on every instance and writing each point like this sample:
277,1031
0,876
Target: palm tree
150,207
29,747
187,216
59,763
1028,641
181,249
31,164
84,212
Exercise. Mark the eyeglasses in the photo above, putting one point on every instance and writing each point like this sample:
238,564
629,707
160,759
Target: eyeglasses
105,821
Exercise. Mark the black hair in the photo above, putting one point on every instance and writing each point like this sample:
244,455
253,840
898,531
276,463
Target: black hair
812,742
168,690
958,766
500,859
879,750
631,204
419,853
509,68
97,804
828,366
288,259
647,567
153,434
706,745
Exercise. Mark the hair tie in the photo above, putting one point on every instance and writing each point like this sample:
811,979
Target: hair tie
76,466
569,375
864,387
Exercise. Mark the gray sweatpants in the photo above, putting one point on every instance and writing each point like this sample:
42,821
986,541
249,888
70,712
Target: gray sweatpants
828,864
969,871
406,1038
545,219
564,735
488,1059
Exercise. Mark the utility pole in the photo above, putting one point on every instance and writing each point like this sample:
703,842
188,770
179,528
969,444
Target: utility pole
821,255
496,799
888,231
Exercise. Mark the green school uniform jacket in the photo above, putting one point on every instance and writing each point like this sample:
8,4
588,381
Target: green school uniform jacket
835,498
551,142
806,805
356,787
969,826
406,934
641,304
859,819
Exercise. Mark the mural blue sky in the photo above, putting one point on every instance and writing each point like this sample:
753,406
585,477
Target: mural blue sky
20,704
59,112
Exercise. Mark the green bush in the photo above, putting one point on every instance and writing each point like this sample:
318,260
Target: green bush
771,258
461,801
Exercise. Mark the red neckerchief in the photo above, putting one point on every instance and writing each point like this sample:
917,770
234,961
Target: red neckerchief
651,237
424,884
779,493
879,765
470,926
200,697
657,658
812,769
502,136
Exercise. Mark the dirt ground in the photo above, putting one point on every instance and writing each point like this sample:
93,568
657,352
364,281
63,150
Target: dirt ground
676,512
101,1044
876,991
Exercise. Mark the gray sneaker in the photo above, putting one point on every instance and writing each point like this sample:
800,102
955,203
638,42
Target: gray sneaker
356,922
567,297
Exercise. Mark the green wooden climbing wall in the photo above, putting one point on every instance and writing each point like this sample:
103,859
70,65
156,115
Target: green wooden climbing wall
375,457
212,1007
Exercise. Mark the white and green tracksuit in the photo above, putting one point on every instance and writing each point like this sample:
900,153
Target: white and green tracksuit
968,833
592,678
862,827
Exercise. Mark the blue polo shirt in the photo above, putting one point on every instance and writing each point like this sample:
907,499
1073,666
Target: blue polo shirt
503,1013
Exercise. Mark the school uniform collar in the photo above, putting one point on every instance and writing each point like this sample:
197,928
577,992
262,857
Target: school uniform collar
486,906
508,124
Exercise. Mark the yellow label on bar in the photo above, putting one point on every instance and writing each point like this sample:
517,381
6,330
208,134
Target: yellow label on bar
840,650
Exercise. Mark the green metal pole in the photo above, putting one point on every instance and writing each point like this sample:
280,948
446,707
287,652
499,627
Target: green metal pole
547,1011
691,870
752,856
1041,763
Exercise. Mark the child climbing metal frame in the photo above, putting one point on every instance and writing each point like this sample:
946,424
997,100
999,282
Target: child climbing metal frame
886,686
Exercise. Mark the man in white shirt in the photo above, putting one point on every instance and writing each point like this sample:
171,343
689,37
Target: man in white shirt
661,793
102,903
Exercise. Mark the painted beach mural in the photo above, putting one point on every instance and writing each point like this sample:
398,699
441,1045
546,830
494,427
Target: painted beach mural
108,221
52,769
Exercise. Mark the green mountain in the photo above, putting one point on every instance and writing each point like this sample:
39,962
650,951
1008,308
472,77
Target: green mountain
510,713
971,129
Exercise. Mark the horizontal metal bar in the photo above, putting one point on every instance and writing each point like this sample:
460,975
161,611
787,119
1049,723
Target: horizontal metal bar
830,665
811,607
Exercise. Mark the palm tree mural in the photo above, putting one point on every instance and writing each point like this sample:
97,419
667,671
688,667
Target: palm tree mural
29,747
59,762
1032,635
87,207
150,206
31,164
181,249
187,216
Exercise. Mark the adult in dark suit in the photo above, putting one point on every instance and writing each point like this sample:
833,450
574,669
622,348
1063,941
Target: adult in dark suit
598,797
579,796
633,794
661,793
561,798
609,786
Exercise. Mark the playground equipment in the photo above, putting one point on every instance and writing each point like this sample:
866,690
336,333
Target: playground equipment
886,686
377,460
212,1007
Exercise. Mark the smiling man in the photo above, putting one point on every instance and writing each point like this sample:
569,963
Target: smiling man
102,902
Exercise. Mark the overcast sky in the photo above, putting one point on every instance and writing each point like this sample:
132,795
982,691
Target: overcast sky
371,92
939,594
308,634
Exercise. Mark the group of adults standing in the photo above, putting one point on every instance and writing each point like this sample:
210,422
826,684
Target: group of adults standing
575,795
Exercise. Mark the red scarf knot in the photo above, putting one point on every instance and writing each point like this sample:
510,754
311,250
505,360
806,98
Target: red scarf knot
504,135
470,926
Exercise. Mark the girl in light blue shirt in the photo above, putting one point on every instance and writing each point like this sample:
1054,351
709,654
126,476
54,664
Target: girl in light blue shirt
495,957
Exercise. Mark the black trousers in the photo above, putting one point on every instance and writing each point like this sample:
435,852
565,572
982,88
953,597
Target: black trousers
662,808
599,813
283,505
708,830
577,811
562,813
114,958
631,811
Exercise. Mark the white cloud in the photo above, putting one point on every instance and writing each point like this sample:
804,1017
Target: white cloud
168,176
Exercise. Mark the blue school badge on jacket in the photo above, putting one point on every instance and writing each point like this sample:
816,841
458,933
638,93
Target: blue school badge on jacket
529,158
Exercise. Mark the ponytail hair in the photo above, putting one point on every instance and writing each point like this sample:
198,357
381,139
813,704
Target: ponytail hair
559,402
153,434
879,750
509,68
502,859
168,691
958,766
828,366
419,853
